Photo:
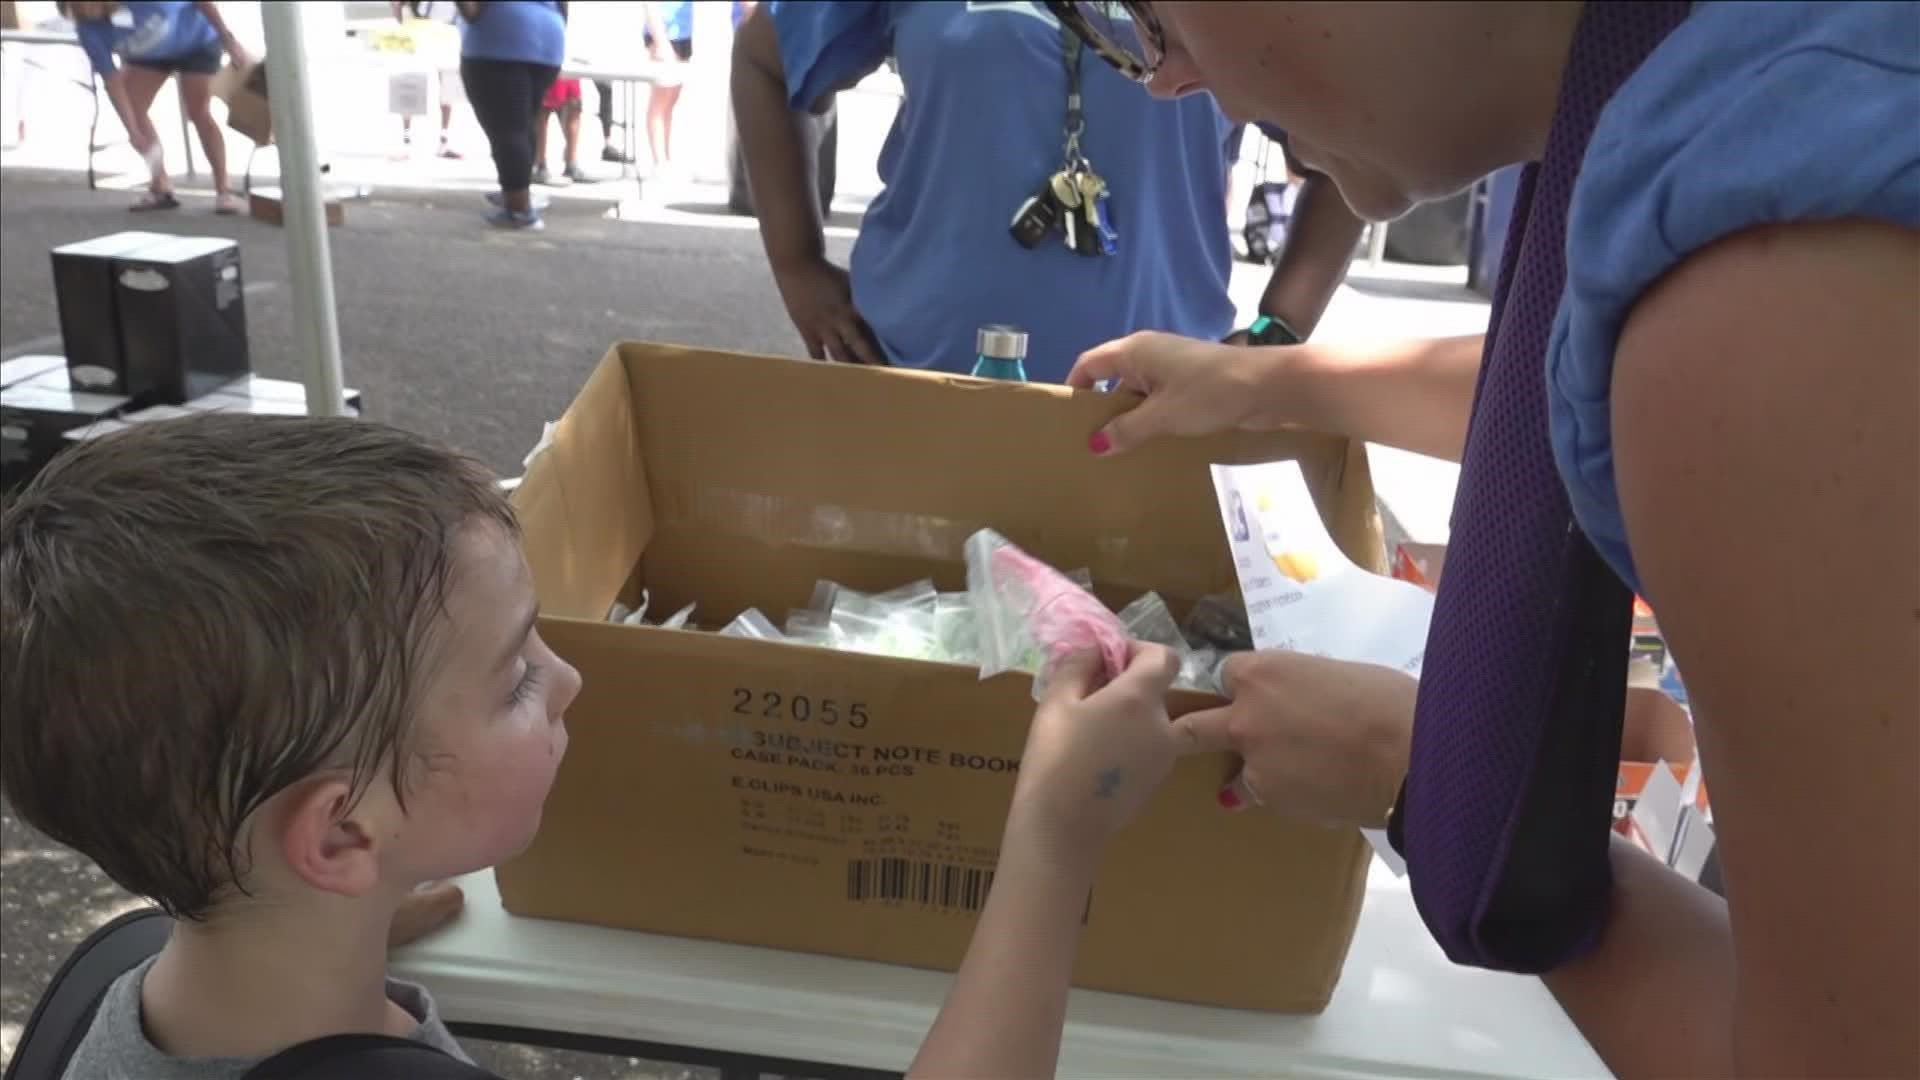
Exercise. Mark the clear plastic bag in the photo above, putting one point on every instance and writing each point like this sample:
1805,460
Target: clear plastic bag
1032,616
869,625
956,630
1219,622
679,620
1149,619
752,624
810,627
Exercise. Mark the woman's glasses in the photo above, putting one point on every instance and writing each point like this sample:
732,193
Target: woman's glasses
1124,32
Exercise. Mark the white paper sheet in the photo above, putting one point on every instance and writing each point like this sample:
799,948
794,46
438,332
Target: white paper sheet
1303,594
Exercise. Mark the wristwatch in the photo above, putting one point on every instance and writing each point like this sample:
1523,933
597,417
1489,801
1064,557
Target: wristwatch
1272,330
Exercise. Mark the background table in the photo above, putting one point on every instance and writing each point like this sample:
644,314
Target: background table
1401,1009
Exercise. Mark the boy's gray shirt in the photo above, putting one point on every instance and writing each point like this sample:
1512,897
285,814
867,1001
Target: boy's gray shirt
116,1046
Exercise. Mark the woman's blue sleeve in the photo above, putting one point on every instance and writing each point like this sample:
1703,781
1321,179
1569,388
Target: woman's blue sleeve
823,45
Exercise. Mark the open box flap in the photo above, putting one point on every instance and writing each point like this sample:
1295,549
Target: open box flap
751,457
584,509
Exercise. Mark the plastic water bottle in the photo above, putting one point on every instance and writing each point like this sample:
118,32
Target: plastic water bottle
1002,353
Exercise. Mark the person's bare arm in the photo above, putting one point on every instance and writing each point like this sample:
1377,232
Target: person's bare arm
1313,260
773,142
1415,395
227,39
1014,980
1767,454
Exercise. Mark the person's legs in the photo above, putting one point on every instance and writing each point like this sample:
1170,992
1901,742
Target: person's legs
605,90
498,91
660,103
143,85
570,132
542,120
196,90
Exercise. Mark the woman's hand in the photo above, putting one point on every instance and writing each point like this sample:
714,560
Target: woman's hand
1192,387
1094,756
1326,740
819,299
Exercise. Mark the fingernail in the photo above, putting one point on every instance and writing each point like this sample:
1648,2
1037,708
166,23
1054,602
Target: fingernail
1099,443
1229,799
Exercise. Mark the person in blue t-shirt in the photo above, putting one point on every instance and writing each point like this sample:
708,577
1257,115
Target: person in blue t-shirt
510,53
1716,276
160,39
981,128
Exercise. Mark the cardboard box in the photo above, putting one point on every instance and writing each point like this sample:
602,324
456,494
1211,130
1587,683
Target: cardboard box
269,205
35,417
84,291
183,318
785,796
245,92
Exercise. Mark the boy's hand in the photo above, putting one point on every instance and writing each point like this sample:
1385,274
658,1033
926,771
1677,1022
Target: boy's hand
1094,756
423,911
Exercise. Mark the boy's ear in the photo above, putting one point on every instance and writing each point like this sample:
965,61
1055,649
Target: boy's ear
329,840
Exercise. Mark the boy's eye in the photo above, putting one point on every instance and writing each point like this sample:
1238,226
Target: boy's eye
529,682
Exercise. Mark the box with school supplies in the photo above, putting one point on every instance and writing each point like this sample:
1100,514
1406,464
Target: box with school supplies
767,792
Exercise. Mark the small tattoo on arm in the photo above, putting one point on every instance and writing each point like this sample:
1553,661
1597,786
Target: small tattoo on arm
1108,783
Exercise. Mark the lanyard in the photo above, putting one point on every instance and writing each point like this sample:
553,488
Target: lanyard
1076,122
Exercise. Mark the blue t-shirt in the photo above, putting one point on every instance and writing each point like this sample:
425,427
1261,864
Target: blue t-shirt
156,30
978,131
1748,114
677,18
527,31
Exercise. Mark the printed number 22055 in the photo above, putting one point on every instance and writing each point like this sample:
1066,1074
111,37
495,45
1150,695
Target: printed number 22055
799,708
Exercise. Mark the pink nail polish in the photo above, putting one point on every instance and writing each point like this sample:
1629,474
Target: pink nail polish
1099,443
1229,799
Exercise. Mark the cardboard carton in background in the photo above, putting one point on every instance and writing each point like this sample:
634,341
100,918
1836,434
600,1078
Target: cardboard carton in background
800,798
245,92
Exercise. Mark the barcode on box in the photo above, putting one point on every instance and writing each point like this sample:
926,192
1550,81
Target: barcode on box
960,888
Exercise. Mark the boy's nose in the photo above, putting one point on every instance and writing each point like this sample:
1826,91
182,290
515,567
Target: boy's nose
566,688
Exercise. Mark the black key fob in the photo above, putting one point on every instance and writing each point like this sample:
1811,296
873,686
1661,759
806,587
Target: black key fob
1035,218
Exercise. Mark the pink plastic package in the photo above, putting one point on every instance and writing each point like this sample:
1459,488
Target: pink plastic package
1032,616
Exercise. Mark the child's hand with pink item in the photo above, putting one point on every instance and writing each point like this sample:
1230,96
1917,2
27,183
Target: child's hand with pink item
1095,753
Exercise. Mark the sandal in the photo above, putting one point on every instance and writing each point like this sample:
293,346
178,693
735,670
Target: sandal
155,200
227,203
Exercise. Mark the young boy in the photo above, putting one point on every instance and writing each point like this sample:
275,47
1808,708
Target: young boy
272,673
275,672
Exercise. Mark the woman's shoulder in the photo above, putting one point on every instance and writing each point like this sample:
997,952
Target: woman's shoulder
1753,114
1748,114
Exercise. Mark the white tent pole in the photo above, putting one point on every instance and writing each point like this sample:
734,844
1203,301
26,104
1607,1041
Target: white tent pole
316,331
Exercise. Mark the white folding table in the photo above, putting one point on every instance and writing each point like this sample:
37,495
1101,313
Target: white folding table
1401,1010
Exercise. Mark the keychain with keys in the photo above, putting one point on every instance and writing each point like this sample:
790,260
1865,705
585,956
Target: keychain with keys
1096,232
1065,186
1037,217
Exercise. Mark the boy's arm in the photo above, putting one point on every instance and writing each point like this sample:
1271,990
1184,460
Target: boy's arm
1004,1015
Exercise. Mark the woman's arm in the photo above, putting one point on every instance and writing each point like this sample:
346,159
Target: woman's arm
236,51
1415,395
1314,258
1766,432
773,143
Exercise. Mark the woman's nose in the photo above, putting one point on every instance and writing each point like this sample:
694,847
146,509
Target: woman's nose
1175,77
